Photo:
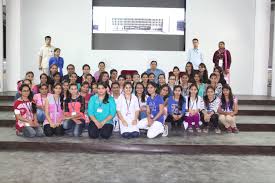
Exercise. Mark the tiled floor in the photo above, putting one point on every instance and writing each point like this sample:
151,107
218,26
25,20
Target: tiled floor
119,168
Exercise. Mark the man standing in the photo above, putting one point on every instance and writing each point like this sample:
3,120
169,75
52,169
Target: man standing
45,53
195,56
222,58
153,69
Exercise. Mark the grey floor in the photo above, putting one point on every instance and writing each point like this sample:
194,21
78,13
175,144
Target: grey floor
66,167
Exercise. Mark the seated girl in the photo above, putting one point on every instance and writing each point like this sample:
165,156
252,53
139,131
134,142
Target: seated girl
40,99
128,112
176,108
228,110
25,114
194,104
209,115
155,108
101,110
74,112
53,125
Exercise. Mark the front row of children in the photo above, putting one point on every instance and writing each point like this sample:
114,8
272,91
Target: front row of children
128,111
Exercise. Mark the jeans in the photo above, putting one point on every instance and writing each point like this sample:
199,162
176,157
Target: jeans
31,132
129,135
214,121
72,128
40,116
49,131
105,132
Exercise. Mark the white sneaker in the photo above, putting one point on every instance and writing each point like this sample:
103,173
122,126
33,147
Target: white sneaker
165,133
116,127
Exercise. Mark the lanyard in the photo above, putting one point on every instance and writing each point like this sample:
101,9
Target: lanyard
128,105
41,100
29,107
57,104
73,104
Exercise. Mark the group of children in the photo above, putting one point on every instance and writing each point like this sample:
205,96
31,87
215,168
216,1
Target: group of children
104,103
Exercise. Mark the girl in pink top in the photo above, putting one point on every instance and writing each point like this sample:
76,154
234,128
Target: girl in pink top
54,113
40,99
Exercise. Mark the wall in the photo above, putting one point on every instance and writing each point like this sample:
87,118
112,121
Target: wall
69,23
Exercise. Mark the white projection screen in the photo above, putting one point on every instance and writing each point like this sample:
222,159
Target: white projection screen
138,25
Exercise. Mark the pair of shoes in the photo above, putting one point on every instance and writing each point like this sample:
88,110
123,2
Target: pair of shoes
198,130
165,133
205,130
190,130
235,130
217,131
229,130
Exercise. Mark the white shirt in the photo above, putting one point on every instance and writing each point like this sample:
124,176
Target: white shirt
195,56
128,108
194,105
46,52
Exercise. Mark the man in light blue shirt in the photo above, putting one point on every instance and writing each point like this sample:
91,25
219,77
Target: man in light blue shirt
155,70
195,56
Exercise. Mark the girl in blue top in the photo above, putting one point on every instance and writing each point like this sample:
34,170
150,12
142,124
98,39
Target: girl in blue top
57,60
176,108
155,107
101,110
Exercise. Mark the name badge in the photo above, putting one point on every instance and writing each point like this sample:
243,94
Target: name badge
73,113
220,62
99,110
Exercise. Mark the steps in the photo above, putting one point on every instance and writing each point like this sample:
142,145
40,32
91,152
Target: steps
256,121
245,143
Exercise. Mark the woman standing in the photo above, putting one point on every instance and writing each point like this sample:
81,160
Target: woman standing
155,119
101,110
54,113
25,114
128,112
74,112
185,84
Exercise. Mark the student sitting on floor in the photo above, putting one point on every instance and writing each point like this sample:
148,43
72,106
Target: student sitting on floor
128,112
142,97
194,104
228,110
155,119
176,109
74,112
115,93
25,114
201,86
40,99
101,110
185,84
53,125
216,85
209,115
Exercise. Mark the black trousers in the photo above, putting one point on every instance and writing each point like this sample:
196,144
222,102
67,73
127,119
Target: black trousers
49,131
214,120
173,122
105,132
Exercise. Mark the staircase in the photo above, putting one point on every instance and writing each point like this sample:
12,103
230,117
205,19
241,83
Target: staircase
256,121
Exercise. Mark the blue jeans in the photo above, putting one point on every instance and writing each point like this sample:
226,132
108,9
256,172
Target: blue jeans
72,128
40,116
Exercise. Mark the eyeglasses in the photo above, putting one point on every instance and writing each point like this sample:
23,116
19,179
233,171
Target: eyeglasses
25,90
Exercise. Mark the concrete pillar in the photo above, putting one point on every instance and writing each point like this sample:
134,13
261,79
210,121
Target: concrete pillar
1,48
261,49
13,16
